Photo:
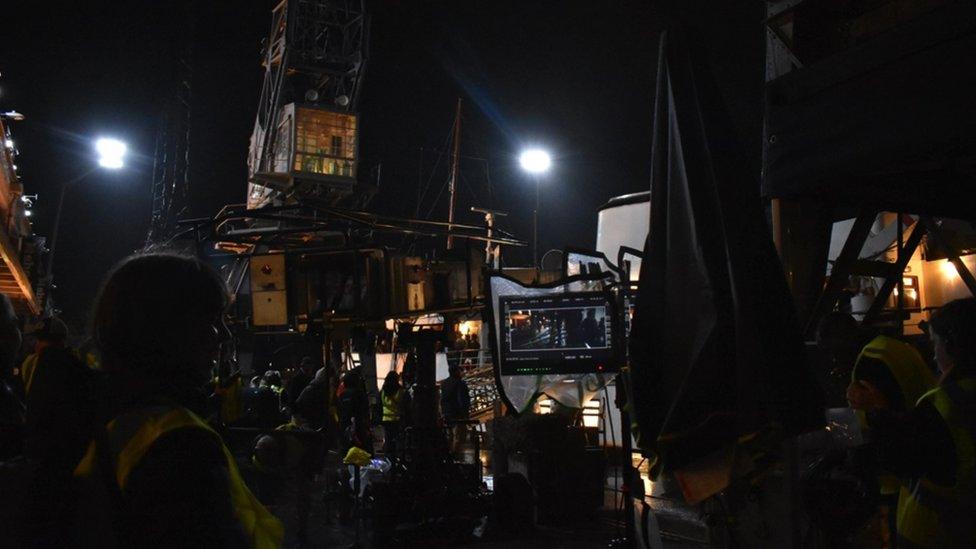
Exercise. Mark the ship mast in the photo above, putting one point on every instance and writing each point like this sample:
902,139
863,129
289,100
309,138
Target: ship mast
455,166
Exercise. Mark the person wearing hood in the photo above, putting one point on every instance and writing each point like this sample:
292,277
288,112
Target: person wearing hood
932,447
159,326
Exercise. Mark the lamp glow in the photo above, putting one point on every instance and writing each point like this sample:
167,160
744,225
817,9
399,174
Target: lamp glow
111,153
949,270
535,161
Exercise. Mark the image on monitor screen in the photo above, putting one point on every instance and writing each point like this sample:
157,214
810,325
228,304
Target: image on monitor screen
558,328
560,333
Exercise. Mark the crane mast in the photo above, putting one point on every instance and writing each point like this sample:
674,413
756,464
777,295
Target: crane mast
171,164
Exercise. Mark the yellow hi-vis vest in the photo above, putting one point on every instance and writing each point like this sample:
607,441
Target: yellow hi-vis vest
931,515
231,400
391,405
27,371
910,372
131,435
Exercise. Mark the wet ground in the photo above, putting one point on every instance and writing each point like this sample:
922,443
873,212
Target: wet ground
327,531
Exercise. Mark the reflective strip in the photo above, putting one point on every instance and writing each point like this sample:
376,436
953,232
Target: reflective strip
937,515
131,435
932,497
27,371
916,523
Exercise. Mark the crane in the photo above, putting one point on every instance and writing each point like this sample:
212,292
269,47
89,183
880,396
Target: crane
305,139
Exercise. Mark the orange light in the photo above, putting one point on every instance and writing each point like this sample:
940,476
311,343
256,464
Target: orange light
466,327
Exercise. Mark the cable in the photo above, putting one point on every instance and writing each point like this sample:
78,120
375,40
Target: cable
433,205
431,178
470,188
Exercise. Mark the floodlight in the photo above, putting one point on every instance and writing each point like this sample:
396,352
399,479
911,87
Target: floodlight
111,153
535,161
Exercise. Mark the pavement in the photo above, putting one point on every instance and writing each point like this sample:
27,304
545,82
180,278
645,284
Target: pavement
326,531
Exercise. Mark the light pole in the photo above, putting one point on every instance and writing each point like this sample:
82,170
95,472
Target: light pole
535,162
111,155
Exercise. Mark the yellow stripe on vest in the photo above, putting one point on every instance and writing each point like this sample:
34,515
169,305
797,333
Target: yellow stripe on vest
931,515
133,434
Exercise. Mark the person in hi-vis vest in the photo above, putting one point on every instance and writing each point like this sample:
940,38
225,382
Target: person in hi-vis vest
893,367
158,324
931,447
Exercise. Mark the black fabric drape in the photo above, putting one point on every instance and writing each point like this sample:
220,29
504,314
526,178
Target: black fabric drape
716,350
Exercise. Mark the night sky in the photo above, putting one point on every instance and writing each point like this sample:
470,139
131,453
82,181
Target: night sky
575,77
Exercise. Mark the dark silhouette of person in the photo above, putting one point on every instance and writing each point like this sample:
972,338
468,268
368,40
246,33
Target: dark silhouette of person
574,328
391,399
14,480
406,398
61,413
590,329
294,387
353,407
159,326
455,400
60,401
316,398
267,403
12,413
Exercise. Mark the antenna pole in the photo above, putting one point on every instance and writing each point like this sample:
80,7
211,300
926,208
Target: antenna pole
455,161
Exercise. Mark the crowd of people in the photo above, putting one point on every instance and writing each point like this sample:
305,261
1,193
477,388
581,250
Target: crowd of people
127,445
133,443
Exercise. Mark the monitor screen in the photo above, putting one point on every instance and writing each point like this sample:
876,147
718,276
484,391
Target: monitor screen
559,333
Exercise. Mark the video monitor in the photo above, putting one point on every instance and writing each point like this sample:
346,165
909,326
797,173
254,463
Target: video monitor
560,333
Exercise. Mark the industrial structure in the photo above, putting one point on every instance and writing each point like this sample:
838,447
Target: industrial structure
306,136
866,205
20,249
171,160
864,116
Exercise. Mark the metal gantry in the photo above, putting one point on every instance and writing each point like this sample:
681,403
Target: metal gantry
315,53
171,175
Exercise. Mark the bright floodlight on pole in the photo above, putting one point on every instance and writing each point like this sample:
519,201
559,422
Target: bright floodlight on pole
535,161
111,153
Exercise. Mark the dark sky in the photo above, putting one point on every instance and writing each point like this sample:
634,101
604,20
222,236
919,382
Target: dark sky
576,77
